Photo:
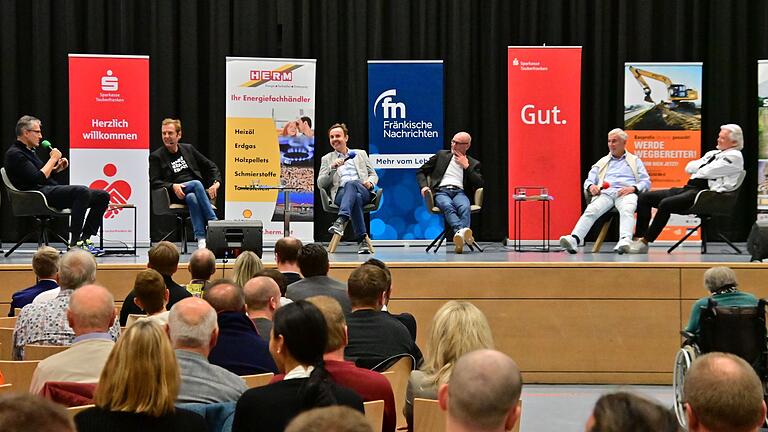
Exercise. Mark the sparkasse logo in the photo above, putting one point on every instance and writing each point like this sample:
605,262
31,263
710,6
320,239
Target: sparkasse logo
109,83
389,108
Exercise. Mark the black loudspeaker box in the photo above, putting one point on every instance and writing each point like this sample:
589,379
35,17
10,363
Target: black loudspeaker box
757,242
226,239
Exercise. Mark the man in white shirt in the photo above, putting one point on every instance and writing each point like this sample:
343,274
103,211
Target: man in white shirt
452,175
91,313
718,170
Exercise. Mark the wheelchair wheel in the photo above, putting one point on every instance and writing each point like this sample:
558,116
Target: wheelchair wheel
685,356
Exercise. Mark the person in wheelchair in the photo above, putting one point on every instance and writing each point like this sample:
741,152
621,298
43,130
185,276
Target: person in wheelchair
723,287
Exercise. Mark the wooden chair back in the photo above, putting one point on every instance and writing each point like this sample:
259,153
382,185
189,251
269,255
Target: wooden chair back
398,375
6,343
73,411
259,380
428,417
42,352
8,321
18,373
374,413
6,388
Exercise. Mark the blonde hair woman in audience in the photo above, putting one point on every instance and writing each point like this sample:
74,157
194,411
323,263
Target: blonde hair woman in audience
245,268
138,387
458,327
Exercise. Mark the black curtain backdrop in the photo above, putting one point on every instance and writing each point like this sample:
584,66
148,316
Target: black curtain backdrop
188,40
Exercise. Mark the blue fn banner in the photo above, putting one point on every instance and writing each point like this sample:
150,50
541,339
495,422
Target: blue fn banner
405,128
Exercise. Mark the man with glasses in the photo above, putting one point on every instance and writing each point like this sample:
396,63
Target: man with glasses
452,176
28,172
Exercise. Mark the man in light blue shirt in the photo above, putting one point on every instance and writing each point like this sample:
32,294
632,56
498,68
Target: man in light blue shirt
614,181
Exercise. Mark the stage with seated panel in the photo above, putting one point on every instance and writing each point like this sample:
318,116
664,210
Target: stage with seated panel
583,318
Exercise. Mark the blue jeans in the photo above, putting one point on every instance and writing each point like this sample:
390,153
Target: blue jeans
200,208
351,198
455,207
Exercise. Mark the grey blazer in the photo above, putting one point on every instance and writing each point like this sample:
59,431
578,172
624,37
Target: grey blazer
329,177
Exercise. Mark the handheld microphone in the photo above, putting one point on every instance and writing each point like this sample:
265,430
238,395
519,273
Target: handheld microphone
605,185
350,155
46,145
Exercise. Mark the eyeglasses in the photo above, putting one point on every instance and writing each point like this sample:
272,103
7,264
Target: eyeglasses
459,142
38,131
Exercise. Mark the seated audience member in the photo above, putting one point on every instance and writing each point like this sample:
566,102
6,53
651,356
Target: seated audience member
723,393
622,411
262,298
374,336
287,258
46,323
138,387
722,285
91,313
299,338
408,320
281,283
163,257
23,412
245,268
45,264
483,394
151,296
335,419
314,265
202,265
239,349
193,331
458,328
371,386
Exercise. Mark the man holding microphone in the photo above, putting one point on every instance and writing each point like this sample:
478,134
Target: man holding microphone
28,172
614,181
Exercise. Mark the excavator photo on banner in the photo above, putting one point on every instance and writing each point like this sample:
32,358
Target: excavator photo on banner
677,111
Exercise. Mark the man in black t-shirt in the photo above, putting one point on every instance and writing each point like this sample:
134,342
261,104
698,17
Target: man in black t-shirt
190,177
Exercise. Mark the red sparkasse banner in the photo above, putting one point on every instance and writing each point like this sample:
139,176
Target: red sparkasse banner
111,96
544,98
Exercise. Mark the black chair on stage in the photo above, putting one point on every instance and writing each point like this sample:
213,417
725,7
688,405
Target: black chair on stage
330,207
33,203
162,206
475,207
707,205
730,329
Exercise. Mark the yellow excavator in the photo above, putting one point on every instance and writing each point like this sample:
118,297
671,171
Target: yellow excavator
677,92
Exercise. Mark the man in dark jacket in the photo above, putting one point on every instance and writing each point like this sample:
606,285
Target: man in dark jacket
452,176
27,172
190,177
239,348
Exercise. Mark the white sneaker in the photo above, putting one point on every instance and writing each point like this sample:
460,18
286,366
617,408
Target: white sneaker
201,243
623,246
569,243
638,247
467,234
458,241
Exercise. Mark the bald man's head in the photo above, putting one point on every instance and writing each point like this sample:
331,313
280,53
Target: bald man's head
225,296
202,264
91,310
260,292
723,393
192,324
483,391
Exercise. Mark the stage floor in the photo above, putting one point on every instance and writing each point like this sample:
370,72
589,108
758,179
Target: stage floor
493,253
